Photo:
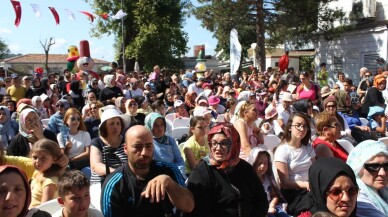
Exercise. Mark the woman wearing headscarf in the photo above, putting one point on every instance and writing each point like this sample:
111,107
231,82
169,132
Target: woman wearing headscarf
30,131
37,103
166,149
374,96
131,107
56,121
369,161
350,115
120,104
17,193
333,188
217,183
8,127
330,105
110,92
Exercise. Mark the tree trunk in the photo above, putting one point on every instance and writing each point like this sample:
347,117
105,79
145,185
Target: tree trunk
260,48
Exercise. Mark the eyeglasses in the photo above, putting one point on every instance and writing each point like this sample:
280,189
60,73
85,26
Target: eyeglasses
300,126
335,125
331,106
62,106
337,193
375,167
223,144
75,119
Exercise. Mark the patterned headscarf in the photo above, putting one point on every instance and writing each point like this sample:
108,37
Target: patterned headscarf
22,122
6,130
232,157
356,160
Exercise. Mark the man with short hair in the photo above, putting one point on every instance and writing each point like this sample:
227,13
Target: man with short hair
197,86
16,90
133,90
348,83
26,82
366,82
144,187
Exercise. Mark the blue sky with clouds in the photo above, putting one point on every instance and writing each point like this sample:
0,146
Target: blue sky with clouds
25,38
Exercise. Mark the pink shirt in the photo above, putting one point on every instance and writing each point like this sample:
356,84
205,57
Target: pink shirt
308,94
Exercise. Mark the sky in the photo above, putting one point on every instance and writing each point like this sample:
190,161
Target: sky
25,38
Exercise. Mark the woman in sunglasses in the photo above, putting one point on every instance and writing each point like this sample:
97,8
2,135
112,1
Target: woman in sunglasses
75,141
333,188
369,161
56,121
217,183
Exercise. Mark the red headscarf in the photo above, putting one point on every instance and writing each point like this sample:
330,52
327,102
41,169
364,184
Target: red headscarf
232,158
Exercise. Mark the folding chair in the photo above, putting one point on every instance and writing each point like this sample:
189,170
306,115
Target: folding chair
271,141
181,122
348,146
179,132
384,140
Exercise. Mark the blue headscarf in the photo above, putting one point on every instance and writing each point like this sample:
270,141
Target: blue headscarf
356,160
6,130
149,124
375,110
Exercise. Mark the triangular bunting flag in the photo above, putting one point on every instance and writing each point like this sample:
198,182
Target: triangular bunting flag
36,10
120,14
70,14
18,12
91,17
55,14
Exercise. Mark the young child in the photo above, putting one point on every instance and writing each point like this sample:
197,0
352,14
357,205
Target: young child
377,120
74,196
180,110
196,147
260,160
44,154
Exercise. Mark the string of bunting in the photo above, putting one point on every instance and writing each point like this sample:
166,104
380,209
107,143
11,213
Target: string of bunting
36,9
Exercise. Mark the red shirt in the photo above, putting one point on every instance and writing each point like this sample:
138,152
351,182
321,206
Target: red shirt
338,151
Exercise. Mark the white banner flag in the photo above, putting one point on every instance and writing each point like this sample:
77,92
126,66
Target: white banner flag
36,10
70,14
120,14
235,52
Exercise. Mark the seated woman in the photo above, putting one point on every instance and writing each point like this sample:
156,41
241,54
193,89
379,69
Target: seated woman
326,144
330,105
333,188
217,183
136,118
306,106
166,149
30,131
107,151
37,103
294,156
93,121
16,191
180,110
347,107
8,127
56,121
369,161
377,120
261,162
75,141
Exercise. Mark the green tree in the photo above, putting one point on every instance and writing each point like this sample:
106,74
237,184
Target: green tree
4,50
152,31
268,23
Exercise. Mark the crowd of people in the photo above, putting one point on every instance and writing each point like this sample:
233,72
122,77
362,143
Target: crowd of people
103,146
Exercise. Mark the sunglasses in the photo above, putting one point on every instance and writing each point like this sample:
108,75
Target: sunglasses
62,106
331,106
335,125
132,104
337,193
223,144
75,119
375,167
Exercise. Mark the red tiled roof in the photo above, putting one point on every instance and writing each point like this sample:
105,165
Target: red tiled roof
40,58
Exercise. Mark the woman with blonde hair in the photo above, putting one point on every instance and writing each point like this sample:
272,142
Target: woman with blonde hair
247,129
74,141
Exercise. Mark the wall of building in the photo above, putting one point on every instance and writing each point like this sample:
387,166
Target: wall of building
355,49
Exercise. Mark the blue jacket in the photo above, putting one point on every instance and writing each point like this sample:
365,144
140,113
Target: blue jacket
55,123
352,120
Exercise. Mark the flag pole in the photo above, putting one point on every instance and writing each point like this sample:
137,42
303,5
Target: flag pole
122,31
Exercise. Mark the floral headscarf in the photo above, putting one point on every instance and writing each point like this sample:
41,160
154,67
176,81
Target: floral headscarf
356,160
232,158
22,122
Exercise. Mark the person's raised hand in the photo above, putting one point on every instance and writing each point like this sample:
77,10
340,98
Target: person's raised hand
156,188
62,161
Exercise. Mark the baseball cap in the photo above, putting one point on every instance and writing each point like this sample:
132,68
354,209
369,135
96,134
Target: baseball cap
14,75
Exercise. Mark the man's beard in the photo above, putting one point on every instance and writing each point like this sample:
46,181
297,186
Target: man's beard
142,164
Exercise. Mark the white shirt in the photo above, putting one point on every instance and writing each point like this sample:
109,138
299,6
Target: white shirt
91,213
283,114
341,85
298,160
193,88
80,141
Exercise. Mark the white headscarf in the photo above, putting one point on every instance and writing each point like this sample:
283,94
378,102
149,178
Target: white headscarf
108,80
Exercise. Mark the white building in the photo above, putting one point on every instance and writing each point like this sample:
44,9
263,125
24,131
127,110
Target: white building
359,47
